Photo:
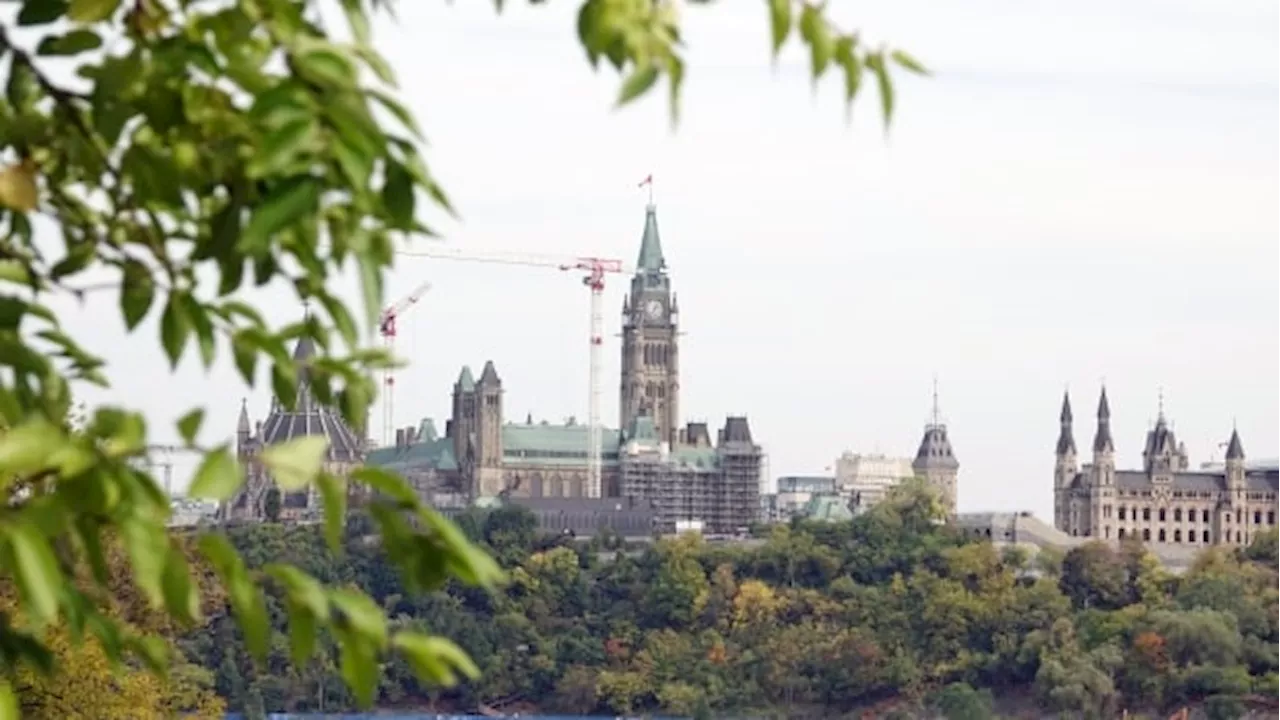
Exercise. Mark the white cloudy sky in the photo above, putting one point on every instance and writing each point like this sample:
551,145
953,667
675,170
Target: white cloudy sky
1087,189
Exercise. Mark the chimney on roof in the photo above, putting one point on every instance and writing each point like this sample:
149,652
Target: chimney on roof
399,438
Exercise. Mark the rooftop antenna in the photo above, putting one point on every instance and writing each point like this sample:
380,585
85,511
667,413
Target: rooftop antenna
936,414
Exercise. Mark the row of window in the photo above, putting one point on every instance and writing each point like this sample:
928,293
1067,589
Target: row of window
1162,535
1124,513
1196,494
655,354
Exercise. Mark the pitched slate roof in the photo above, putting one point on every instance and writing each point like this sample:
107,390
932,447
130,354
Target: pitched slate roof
309,417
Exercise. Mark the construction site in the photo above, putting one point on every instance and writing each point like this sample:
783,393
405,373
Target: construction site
650,460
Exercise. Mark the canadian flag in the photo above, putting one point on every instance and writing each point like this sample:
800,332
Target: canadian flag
647,181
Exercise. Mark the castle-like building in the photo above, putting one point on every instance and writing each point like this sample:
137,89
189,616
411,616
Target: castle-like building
1165,501
308,417
680,471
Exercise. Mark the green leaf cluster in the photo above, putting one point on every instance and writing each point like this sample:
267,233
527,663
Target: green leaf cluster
205,149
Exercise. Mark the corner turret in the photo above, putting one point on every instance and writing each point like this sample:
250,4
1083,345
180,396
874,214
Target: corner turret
936,461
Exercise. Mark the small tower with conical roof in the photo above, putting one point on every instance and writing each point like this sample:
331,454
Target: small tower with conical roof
935,461
1065,464
1234,462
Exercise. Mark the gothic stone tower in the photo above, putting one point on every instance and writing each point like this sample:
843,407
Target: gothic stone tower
477,430
935,460
650,359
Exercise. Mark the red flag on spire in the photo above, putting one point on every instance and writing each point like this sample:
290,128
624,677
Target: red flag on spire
647,181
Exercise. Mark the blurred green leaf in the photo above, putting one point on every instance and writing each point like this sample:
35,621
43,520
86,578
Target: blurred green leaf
637,83
779,22
435,660
91,11
73,43
296,463
218,476
189,425
246,599
36,570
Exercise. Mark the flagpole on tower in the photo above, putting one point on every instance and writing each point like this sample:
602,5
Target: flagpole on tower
648,181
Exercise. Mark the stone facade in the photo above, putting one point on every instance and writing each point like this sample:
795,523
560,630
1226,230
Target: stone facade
1164,502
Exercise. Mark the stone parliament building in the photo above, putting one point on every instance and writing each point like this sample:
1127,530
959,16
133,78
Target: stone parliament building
650,463
1164,501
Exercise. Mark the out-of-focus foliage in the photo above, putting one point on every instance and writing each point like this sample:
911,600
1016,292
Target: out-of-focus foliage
166,154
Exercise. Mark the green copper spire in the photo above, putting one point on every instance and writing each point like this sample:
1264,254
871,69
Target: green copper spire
650,259
466,382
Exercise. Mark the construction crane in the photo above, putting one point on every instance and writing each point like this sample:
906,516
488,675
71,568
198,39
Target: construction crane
161,456
387,329
594,270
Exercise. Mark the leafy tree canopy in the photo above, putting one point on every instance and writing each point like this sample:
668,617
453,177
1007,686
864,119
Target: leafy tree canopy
199,148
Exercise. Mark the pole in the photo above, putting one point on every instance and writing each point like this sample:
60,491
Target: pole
596,282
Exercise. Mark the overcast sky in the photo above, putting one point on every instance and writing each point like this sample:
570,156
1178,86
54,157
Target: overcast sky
1087,189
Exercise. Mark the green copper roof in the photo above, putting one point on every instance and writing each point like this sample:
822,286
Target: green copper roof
650,246
466,382
427,431
827,508
642,429
526,444
437,453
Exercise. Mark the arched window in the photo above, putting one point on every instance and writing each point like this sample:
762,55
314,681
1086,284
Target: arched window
1146,534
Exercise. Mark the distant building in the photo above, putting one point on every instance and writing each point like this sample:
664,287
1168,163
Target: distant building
1164,502
679,471
867,478
190,512
308,417
587,517
795,492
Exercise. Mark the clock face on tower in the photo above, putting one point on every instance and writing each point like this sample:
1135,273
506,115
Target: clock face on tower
653,310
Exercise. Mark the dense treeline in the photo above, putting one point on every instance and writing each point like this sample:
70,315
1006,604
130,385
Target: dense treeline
891,612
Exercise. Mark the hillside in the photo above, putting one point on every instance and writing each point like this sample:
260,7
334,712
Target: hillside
889,612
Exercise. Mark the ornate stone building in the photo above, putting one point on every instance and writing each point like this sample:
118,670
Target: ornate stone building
308,417
650,458
1165,501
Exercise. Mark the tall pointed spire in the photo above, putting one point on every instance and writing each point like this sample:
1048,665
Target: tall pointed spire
1066,438
1102,441
242,427
1235,449
650,258
466,381
489,376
